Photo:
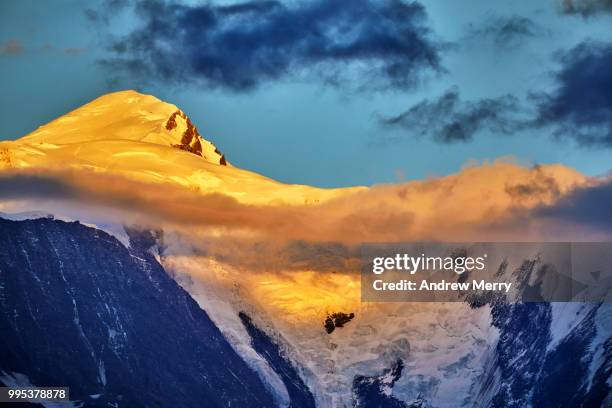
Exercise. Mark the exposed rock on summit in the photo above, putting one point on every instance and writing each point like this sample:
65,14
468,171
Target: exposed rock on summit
338,319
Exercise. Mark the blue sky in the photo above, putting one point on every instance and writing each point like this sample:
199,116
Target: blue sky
435,84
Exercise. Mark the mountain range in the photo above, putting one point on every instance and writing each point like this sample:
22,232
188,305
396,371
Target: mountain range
128,310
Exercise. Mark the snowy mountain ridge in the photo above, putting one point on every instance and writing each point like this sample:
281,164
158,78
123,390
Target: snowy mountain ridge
126,115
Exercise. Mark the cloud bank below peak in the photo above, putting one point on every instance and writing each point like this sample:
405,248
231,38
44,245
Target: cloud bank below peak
454,206
492,201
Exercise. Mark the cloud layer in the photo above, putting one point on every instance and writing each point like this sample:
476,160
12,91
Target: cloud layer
499,201
506,32
588,206
239,47
442,208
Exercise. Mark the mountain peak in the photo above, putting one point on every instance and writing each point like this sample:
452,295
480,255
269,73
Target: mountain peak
142,138
128,115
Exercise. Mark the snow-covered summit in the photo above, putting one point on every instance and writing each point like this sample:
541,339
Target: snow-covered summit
145,139
127,115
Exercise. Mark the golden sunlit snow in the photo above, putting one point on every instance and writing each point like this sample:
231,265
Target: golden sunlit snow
127,133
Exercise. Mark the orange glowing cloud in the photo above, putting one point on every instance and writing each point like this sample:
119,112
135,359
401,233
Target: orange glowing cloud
479,202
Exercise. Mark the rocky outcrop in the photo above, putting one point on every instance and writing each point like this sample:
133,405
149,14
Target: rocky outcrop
526,368
375,391
5,158
191,140
299,394
338,319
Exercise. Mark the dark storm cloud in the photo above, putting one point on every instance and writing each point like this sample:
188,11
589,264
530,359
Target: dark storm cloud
367,43
586,7
506,32
448,119
580,107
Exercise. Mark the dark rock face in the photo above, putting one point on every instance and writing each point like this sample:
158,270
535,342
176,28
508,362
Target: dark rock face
79,309
300,395
190,140
526,371
563,379
534,374
531,372
550,378
171,123
375,392
339,319
524,334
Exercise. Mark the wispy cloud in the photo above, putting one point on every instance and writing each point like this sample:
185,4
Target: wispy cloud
505,32
370,44
11,47
449,119
586,7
